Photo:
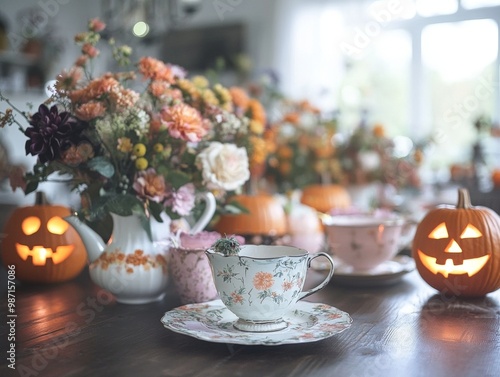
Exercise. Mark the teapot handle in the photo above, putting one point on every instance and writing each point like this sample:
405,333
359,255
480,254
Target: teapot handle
325,281
208,213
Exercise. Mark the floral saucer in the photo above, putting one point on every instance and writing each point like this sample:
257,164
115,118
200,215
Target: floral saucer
213,322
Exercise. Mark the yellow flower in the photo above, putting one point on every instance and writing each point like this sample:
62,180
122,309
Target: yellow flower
141,163
259,150
209,97
222,93
189,88
256,127
124,145
158,147
139,150
200,81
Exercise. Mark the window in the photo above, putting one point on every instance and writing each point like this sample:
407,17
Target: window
422,68
473,4
459,72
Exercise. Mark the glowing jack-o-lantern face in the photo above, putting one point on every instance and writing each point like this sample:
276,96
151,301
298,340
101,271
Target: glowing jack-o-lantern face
457,249
40,253
469,266
42,245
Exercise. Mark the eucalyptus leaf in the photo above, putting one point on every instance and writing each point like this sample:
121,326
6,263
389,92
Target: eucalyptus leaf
102,166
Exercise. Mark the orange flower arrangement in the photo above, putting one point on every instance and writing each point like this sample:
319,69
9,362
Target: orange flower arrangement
301,150
141,141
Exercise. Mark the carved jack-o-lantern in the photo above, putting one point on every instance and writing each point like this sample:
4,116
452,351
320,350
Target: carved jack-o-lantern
457,249
43,247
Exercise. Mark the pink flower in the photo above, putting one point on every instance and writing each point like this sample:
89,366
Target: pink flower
149,184
89,50
81,61
96,25
67,80
182,200
184,122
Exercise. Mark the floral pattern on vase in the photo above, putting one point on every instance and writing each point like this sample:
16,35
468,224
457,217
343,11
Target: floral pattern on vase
130,266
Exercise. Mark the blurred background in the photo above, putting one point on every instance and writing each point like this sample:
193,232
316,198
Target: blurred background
427,71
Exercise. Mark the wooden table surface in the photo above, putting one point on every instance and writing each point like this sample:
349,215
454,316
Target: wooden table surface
405,329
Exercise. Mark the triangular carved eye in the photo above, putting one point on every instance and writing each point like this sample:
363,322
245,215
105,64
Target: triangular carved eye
471,232
439,232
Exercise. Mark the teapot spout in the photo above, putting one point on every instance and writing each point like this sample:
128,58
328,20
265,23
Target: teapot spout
92,241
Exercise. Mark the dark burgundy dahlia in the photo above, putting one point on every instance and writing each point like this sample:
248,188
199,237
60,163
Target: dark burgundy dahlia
51,133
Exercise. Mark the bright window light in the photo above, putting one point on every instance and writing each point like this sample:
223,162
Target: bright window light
427,8
459,50
459,66
472,4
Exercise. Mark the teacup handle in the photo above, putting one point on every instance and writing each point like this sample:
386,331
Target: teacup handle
324,282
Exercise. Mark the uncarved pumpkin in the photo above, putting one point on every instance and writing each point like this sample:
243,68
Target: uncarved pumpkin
457,249
324,198
495,178
265,216
42,246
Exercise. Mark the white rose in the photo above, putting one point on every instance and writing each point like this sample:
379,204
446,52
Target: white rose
224,166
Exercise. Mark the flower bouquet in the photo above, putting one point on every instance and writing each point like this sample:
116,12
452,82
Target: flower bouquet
143,140
303,151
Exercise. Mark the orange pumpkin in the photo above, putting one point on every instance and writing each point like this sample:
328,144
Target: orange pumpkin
457,249
324,198
43,247
265,216
495,178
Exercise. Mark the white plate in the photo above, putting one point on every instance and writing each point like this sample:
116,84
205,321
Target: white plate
386,273
213,322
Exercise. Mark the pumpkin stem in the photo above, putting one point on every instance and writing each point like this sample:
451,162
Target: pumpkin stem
463,199
41,199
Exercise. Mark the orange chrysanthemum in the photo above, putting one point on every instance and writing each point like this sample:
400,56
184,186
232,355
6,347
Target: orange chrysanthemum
292,118
184,122
256,111
155,69
240,97
90,110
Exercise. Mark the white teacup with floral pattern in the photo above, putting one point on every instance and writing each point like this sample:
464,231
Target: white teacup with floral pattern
262,283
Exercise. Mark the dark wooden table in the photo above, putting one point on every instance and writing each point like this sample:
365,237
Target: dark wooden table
405,329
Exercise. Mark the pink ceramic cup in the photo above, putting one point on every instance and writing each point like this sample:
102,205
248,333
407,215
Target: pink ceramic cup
190,269
365,241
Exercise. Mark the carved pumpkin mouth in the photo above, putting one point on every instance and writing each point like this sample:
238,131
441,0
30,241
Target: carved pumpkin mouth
469,266
40,254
